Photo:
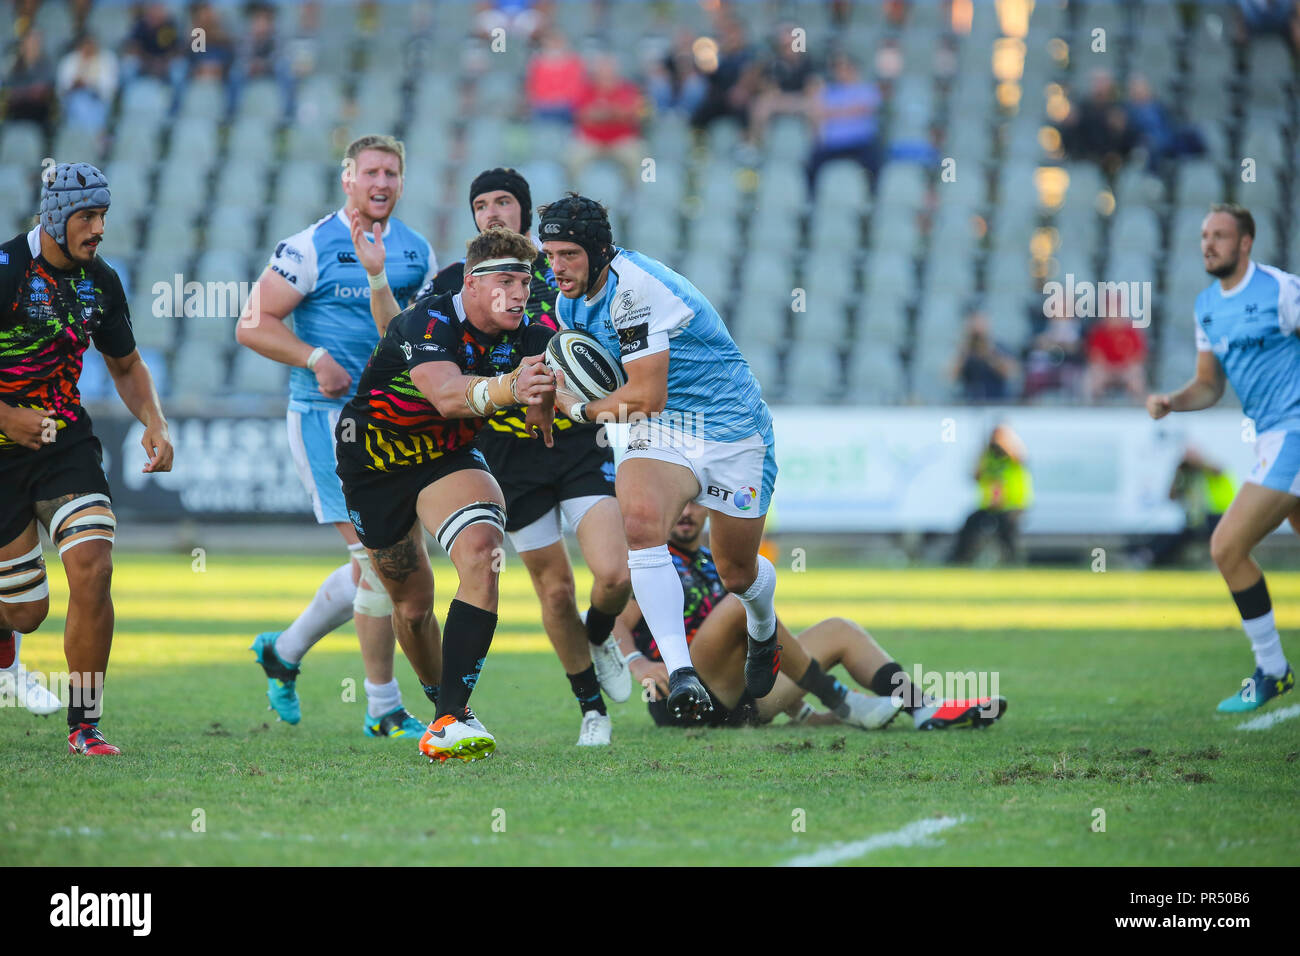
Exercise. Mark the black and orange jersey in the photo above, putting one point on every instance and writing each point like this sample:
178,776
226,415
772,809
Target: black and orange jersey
540,310
703,589
396,425
48,318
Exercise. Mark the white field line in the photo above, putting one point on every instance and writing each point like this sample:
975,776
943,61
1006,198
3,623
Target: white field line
914,834
1268,720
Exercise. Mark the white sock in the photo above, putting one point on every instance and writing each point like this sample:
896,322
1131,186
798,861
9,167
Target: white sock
659,594
382,699
330,608
760,613
1266,643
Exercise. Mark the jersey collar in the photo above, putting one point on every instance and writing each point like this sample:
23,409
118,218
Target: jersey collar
347,223
34,241
1245,281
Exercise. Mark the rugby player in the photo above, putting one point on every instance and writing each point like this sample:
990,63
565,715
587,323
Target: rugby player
405,446
700,432
1246,328
572,474
715,626
57,297
314,274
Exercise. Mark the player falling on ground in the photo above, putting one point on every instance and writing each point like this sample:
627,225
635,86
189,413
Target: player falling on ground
314,274
715,626
708,437
57,297
407,460
1246,333
570,474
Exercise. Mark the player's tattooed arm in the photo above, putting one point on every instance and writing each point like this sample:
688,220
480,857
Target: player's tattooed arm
398,562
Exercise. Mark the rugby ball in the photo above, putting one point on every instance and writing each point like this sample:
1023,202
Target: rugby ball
589,370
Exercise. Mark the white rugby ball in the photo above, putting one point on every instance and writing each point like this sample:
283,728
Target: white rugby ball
589,370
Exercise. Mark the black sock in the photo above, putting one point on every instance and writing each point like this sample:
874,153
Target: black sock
587,689
891,679
77,715
599,625
1253,602
466,637
828,690
431,692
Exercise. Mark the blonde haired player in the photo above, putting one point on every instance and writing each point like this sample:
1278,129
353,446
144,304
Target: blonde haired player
314,276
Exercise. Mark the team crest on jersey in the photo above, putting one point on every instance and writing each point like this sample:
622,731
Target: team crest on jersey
4,258
406,350
503,354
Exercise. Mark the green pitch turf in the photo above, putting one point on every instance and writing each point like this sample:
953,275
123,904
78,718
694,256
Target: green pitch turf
1112,680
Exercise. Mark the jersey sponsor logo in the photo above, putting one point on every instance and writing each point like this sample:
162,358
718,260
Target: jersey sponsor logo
503,354
351,292
347,257
411,255
429,347
406,350
1252,308
633,338
288,275
716,492
743,498
288,252
4,258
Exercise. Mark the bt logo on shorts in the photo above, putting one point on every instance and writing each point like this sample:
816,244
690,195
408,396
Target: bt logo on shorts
742,498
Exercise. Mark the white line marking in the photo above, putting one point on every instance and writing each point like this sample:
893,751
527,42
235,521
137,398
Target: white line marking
914,834
1268,720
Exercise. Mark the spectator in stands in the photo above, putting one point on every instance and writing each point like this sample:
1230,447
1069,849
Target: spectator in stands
1099,128
212,52
1006,490
1054,359
608,116
29,84
729,81
521,19
303,48
982,368
1270,16
259,54
153,47
843,111
1204,490
674,81
1160,134
555,79
87,83
784,76
1117,353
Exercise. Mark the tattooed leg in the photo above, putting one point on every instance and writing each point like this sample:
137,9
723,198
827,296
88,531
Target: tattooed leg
408,578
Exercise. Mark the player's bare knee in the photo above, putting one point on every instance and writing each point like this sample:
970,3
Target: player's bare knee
558,599
478,556
26,617
90,571
643,529
1225,552
737,578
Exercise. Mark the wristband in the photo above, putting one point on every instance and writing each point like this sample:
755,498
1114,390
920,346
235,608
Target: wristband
379,281
315,356
578,412
634,656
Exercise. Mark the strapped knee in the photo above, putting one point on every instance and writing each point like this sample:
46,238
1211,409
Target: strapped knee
87,518
372,597
22,579
480,512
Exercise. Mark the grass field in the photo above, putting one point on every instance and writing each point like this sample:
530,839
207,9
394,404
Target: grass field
1112,680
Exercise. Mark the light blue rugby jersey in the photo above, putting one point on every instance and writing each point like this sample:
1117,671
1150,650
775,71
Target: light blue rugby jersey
335,310
644,308
1252,329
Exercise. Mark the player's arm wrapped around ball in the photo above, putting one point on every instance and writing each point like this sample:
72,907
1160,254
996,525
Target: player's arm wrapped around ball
525,385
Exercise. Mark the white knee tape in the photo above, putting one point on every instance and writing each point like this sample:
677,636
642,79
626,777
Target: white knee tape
480,512
23,579
372,599
86,518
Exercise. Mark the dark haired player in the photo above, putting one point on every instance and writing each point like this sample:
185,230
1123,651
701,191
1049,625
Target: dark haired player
715,626
407,461
1246,328
701,432
572,475
56,297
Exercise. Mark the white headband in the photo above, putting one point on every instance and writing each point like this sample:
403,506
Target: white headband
508,264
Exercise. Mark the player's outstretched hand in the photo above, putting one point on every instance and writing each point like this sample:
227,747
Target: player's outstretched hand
652,676
30,427
564,398
1158,406
331,378
534,381
369,254
158,446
